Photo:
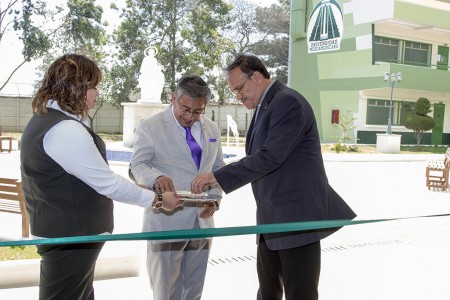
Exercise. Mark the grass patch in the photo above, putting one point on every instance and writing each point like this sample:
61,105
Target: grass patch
111,137
424,149
18,252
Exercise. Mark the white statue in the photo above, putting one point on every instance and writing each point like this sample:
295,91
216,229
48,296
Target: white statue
151,78
231,124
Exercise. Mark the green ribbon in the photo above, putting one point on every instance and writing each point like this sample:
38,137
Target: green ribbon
202,232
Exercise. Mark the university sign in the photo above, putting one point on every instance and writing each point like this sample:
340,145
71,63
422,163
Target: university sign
325,27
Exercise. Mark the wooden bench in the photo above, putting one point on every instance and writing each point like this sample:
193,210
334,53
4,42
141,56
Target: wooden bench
12,201
437,172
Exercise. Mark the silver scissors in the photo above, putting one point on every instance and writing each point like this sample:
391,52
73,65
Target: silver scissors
187,196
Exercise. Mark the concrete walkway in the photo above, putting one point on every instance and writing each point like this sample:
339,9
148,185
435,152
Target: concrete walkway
404,259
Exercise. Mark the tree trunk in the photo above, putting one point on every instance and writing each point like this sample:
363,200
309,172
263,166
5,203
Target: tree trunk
418,134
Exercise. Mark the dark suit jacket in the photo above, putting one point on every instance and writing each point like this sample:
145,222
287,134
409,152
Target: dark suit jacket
285,167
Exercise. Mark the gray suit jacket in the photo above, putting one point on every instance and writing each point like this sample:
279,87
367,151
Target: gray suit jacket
161,149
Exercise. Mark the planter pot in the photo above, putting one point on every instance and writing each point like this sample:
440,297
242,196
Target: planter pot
388,143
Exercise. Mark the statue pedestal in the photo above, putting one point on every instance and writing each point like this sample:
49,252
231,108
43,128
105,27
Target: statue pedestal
388,143
133,114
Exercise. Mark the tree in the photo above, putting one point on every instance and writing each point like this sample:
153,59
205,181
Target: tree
345,124
26,18
262,31
220,85
46,34
184,32
80,30
418,120
274,21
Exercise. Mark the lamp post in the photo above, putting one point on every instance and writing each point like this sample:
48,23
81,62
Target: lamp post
393,80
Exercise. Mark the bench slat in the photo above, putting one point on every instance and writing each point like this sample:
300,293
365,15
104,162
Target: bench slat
12,201
8,196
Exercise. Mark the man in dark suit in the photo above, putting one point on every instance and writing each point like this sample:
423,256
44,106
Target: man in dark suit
284,164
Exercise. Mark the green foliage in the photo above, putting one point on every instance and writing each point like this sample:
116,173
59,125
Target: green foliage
345,124
263,31
79,30
339,147
422,106
420,123
418,120
27,21
196,37
186,34
221,88
49,32
35,41
274,22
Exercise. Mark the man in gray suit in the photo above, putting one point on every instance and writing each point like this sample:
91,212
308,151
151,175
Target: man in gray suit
171,148
285,167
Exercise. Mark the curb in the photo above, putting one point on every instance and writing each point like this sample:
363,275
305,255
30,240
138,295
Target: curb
25,273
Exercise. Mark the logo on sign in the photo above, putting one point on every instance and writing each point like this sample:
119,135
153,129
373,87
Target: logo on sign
325,27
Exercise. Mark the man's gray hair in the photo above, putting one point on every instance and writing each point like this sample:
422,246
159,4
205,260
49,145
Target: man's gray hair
193,86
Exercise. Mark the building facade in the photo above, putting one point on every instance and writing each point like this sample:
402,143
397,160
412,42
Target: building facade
341,49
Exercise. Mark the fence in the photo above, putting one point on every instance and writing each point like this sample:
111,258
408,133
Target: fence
15,112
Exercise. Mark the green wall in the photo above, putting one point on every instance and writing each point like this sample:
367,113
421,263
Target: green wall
333,80
344,101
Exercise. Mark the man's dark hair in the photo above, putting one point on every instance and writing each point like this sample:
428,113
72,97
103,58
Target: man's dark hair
248,64
193,86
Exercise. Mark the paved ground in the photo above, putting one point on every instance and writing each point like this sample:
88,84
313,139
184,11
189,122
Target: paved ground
403,259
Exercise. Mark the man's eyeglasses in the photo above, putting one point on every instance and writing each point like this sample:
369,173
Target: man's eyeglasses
187,111
238,90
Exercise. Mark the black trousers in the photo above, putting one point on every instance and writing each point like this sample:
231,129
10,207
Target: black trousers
67,271
297,270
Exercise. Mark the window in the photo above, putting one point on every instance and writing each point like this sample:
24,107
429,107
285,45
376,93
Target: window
378,112
386,49
407,52
416,53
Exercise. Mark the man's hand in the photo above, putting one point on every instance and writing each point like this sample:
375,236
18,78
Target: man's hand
208,211
164,184
202,182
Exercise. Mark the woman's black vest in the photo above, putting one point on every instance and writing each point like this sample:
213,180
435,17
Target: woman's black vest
59,204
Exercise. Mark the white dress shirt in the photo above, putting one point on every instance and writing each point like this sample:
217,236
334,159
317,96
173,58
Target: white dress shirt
73,148
196,130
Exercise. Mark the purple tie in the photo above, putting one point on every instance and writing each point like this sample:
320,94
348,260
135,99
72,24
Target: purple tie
196,151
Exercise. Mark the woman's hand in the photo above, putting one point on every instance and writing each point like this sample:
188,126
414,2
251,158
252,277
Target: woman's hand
168,201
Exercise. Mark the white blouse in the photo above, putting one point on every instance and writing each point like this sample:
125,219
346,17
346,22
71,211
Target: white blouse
73,148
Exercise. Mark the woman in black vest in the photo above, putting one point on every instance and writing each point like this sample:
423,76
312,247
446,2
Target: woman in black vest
67,182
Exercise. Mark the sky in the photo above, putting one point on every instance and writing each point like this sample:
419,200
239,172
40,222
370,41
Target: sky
22,81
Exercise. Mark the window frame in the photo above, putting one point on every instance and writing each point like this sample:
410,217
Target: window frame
397,112
403,49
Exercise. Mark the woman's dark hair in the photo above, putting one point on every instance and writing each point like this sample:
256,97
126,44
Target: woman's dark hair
66,81
248,64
